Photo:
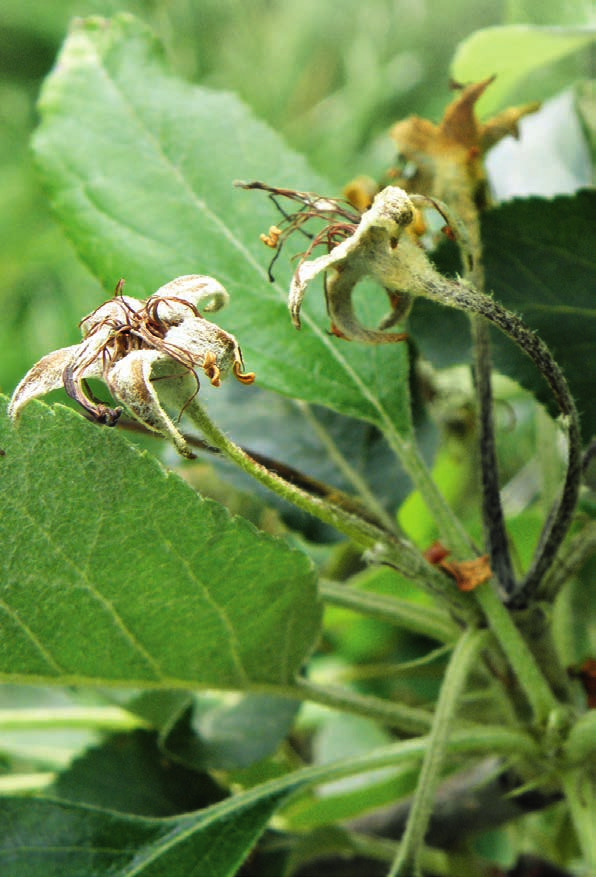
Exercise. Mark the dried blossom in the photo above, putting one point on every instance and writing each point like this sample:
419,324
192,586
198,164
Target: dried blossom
131,345
380,248
444,161
323,221
468,574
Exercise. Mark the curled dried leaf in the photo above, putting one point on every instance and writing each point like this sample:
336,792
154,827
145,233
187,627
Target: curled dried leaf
468,574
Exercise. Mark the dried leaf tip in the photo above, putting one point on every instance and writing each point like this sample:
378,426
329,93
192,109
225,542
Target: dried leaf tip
131,345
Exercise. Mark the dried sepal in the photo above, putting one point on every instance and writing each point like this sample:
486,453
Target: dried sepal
381,249
445,160
46,375
468,574
131,345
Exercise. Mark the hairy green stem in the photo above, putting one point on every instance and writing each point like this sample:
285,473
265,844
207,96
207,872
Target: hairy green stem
425,620
345,467
580,791
441,863
387,547
469,240
464,297
568,561
451,529
360,531
492,509
108,718
26,783
466,651
408,720
531,680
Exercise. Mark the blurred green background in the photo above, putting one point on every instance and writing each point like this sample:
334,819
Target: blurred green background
332,76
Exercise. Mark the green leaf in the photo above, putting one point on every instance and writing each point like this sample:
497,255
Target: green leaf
512,53
128,773
117,572
539,261
235,731
48,838
139,167
556,12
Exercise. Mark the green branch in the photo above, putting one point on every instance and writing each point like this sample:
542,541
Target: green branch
384,547
466,651
425,620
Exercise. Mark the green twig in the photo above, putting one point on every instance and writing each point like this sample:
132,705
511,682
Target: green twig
425,620
580,792
465,652
537,691
568,561
409,720
387,547
345,467
452,531
109,718
492,509
464,297
441,863
469,240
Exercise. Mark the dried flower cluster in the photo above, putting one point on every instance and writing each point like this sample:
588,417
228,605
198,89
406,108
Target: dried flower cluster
131,344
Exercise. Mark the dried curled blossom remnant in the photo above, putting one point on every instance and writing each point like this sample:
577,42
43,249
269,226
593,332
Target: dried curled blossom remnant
358,245
131,345
323,221
444,160
380,248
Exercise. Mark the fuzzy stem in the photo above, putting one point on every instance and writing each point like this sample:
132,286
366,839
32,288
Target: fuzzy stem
469,240
425,620
361,532
440,863
397,553
466,651
580,792
540,697
492,509
104,718
570,559
408,720
345,467
464,297
451,529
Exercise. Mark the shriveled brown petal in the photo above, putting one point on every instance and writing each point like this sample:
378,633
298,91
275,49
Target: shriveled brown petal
468,574
374,250
131,381
46,375
204,292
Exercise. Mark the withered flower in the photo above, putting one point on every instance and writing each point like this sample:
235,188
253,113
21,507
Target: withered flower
323,221
382,249
444,161
131,345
